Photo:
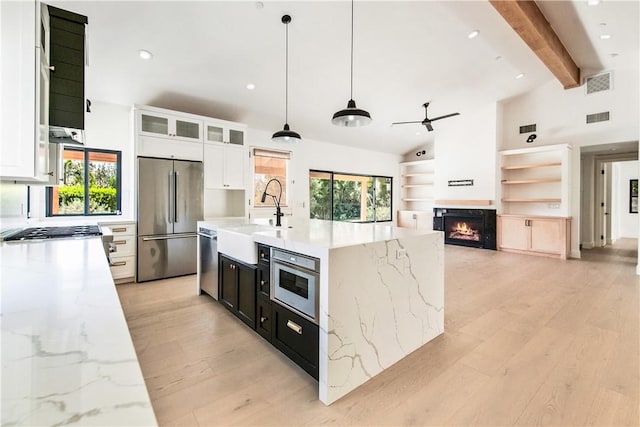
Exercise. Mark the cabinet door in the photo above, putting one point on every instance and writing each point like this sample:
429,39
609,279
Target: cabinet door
547,235
247,294
263,317
262,280
187,129
514,234
296,337
229,281
235,136
213,166
234,167
213,132
153,124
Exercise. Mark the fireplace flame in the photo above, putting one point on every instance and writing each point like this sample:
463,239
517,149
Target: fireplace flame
464,229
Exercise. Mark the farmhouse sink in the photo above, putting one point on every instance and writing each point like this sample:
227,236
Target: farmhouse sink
237,241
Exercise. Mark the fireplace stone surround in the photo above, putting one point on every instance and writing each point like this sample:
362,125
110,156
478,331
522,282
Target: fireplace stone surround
480,226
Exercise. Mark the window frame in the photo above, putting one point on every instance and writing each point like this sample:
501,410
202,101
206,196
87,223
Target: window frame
86,151
333,173
286,155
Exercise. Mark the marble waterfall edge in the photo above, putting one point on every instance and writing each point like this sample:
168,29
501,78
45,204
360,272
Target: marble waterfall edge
385,300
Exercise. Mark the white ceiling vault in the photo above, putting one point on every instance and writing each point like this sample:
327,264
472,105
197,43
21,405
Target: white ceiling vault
405,53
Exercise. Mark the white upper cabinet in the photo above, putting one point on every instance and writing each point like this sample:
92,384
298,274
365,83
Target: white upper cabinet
24,86
222,131
165,125
224,166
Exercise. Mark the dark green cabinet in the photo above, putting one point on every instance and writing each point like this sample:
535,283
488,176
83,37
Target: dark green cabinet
238,289
67,57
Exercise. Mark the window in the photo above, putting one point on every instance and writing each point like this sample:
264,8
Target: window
269,164
92,180
349,197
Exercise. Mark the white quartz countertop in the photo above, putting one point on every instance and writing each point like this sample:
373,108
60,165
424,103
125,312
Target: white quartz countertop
67,356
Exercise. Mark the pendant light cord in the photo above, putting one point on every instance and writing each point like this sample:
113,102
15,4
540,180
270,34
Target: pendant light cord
351,49
286,76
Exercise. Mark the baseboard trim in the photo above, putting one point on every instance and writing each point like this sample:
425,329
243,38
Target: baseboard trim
576,254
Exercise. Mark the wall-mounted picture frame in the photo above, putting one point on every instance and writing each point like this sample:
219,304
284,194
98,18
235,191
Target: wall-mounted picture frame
633,196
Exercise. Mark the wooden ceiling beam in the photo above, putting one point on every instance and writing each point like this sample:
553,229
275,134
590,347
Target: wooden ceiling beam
527,20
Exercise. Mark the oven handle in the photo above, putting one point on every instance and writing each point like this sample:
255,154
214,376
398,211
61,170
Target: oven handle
293,266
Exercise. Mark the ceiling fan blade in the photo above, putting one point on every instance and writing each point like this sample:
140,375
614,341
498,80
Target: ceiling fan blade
404,123
429,127
445,116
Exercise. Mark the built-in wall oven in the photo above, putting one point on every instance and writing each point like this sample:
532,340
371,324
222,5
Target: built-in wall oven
295,282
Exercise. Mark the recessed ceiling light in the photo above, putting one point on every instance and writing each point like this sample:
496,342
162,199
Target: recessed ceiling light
603,24
519,76
417,133
145,54
251,86
259,5
593,2
498,58
605,36
473,34
613,55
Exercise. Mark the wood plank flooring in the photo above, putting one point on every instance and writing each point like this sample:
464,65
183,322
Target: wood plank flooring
528,341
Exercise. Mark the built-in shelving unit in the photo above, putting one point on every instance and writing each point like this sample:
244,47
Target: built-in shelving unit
417,181
535,181
535,201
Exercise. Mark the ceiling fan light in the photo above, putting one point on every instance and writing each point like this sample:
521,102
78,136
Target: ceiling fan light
351,116
286,135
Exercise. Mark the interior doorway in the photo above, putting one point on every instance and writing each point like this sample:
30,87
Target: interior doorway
605,173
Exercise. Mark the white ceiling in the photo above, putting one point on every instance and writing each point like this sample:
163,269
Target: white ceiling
406,53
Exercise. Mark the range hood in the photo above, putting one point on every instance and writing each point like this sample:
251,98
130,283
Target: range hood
62,135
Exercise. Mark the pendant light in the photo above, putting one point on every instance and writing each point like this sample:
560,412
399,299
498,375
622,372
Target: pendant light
286,134
352,115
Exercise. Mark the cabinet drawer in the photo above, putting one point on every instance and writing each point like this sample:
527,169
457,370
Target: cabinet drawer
296,337
124,246
263,280
121,229
263,317
122,267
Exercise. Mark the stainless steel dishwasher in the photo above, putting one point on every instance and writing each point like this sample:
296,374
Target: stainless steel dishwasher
208,247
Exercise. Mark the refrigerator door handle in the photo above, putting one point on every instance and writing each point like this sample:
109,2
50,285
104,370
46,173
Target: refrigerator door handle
169,198
173,236
175,196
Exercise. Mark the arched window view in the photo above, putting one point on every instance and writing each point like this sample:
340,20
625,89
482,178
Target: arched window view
91,184
349,197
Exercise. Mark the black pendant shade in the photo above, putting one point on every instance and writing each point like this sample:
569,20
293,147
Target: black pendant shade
352,115
286,134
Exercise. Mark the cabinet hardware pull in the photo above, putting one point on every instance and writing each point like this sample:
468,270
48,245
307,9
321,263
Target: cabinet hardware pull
118,263
52,67
120,242
50,173
294,327
263,319
119,230
262,282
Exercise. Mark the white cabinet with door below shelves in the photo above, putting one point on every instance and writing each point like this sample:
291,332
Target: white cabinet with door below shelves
537,235
224,166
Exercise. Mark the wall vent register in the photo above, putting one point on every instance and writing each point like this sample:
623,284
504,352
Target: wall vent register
598,117
599,83
528,128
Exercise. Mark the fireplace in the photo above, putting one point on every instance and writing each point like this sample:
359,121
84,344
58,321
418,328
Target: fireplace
467,227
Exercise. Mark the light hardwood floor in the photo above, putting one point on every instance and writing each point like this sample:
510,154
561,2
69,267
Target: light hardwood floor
529,341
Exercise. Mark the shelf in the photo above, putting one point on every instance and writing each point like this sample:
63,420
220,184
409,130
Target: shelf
525,200
465,202
429,184
417,200
532,166
529,181
417,174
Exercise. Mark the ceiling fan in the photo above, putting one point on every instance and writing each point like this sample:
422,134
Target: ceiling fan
427,121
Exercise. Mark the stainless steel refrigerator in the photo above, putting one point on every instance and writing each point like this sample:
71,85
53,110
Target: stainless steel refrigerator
169,204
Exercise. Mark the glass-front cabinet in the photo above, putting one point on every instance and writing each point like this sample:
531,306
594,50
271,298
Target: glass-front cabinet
152,123
224,132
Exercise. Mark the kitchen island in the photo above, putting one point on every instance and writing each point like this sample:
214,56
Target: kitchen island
67,356
381,293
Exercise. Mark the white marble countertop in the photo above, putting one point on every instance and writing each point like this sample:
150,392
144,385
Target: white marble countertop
67,356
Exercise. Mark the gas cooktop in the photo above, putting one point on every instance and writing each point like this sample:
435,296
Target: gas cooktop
37,233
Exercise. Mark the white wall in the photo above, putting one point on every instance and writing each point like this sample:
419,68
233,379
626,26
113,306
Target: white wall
560,118
623,223
313,154
466,149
